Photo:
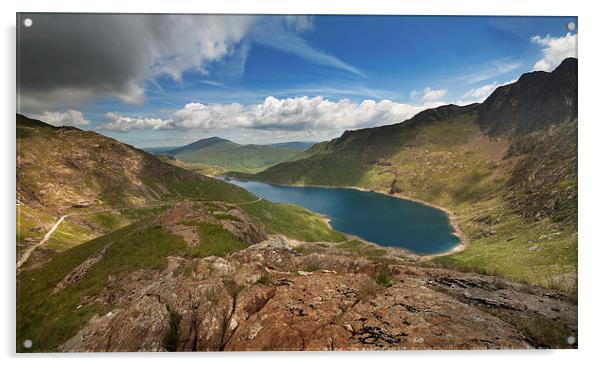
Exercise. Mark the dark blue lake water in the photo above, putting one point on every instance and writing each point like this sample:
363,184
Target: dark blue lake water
375,217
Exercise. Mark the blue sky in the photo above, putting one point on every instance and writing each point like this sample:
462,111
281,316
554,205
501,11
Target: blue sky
271,79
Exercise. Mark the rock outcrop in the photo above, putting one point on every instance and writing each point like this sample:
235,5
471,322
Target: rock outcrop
179,220
80,271
264,298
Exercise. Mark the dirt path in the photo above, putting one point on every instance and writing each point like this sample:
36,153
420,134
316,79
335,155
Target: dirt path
46,237
27,252
248,203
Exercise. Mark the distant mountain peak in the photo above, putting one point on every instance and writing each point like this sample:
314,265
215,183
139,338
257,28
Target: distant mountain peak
203,143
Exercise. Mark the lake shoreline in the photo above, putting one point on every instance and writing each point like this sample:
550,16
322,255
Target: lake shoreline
453,221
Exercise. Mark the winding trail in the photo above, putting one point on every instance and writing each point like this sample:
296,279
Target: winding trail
46,237
27,252
248,203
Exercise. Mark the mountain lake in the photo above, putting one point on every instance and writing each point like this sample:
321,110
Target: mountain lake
375,217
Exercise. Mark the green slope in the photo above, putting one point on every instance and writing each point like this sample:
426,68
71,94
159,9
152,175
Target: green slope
345,160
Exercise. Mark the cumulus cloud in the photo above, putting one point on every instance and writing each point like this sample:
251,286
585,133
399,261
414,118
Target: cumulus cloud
117,122
70,117
554,50
69,59
288,114
428,94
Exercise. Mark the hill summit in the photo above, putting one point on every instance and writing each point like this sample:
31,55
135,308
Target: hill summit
204,143
227,155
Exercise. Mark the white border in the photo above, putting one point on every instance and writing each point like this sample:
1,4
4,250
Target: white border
436,7
590,138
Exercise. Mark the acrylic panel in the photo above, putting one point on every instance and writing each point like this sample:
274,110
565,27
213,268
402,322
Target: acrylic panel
202,182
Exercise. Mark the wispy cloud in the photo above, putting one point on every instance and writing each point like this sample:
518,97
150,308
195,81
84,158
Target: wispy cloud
213,83
271,33
339,92
485,72
488,71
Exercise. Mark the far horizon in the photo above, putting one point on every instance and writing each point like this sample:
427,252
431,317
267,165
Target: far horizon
271,79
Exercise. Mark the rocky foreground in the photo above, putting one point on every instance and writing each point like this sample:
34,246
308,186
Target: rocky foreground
283,295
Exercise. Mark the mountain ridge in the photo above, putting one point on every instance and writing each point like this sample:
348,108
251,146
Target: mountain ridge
537,99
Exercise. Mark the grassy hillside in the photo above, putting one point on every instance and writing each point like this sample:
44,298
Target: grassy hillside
513,190
66,170
227,155
345,160
201,168
294,145
104,184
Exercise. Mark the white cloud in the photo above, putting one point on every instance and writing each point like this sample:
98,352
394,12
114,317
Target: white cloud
116,122
289,114
554,50
480,93
428,94
70,117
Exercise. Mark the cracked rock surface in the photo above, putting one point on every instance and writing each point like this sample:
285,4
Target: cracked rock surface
261,298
